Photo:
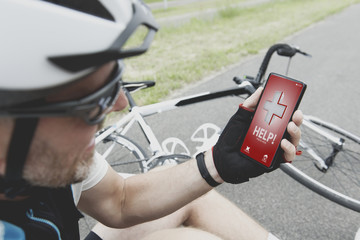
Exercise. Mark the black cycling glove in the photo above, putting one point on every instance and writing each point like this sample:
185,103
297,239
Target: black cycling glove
231,166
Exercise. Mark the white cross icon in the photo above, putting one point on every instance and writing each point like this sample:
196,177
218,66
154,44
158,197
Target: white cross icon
274,107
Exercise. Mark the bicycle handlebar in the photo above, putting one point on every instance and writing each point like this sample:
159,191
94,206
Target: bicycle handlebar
248,85
291,51
281,49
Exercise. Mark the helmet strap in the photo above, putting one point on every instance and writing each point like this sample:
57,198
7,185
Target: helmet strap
20,143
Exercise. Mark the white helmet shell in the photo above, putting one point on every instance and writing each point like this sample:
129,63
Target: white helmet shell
33,31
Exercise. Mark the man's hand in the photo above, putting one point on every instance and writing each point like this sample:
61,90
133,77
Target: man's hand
234,168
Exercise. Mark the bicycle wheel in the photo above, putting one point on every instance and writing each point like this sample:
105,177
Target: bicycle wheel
337,177
123,154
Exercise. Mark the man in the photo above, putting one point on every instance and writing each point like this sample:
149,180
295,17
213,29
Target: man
56,88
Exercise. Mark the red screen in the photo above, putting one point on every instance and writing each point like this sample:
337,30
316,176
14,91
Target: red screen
272,115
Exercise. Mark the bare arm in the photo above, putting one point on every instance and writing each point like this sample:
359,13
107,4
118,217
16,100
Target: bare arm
119,202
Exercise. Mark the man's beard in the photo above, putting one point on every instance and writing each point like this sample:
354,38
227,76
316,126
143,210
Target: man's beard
49,168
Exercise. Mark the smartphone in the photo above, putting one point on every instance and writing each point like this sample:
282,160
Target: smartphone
279,100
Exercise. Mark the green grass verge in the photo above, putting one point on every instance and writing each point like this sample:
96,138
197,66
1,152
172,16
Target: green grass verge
196,7
153,1
187,53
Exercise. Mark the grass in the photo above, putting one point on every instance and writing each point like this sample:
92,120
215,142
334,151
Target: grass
196,7
189,52
153,1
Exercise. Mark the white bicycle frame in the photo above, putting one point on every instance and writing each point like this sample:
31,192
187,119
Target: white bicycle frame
137,115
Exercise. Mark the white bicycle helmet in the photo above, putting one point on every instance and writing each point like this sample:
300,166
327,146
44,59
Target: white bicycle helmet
48,44
45,44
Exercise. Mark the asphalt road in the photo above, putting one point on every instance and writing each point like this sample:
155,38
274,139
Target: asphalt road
280,204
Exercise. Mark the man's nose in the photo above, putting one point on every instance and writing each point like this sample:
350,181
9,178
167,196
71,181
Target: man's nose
120,103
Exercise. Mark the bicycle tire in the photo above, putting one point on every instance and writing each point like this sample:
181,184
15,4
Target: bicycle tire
123,154
340,183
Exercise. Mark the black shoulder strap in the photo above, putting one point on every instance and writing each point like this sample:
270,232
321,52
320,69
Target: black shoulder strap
17,153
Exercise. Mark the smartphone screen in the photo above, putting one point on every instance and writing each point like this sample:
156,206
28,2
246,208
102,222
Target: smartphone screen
280,98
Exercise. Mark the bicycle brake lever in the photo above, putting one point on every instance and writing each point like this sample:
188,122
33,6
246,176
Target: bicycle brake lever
304,53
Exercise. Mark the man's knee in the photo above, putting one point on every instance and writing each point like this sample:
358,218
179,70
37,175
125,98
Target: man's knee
181,234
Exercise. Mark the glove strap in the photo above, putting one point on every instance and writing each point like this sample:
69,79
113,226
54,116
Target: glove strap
203,170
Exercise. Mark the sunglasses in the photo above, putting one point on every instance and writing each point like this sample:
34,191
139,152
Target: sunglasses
93,108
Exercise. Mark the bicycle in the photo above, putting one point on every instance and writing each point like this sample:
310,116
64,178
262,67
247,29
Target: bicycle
328,149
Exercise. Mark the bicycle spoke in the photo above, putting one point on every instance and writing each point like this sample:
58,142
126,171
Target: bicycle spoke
342,175
122,154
